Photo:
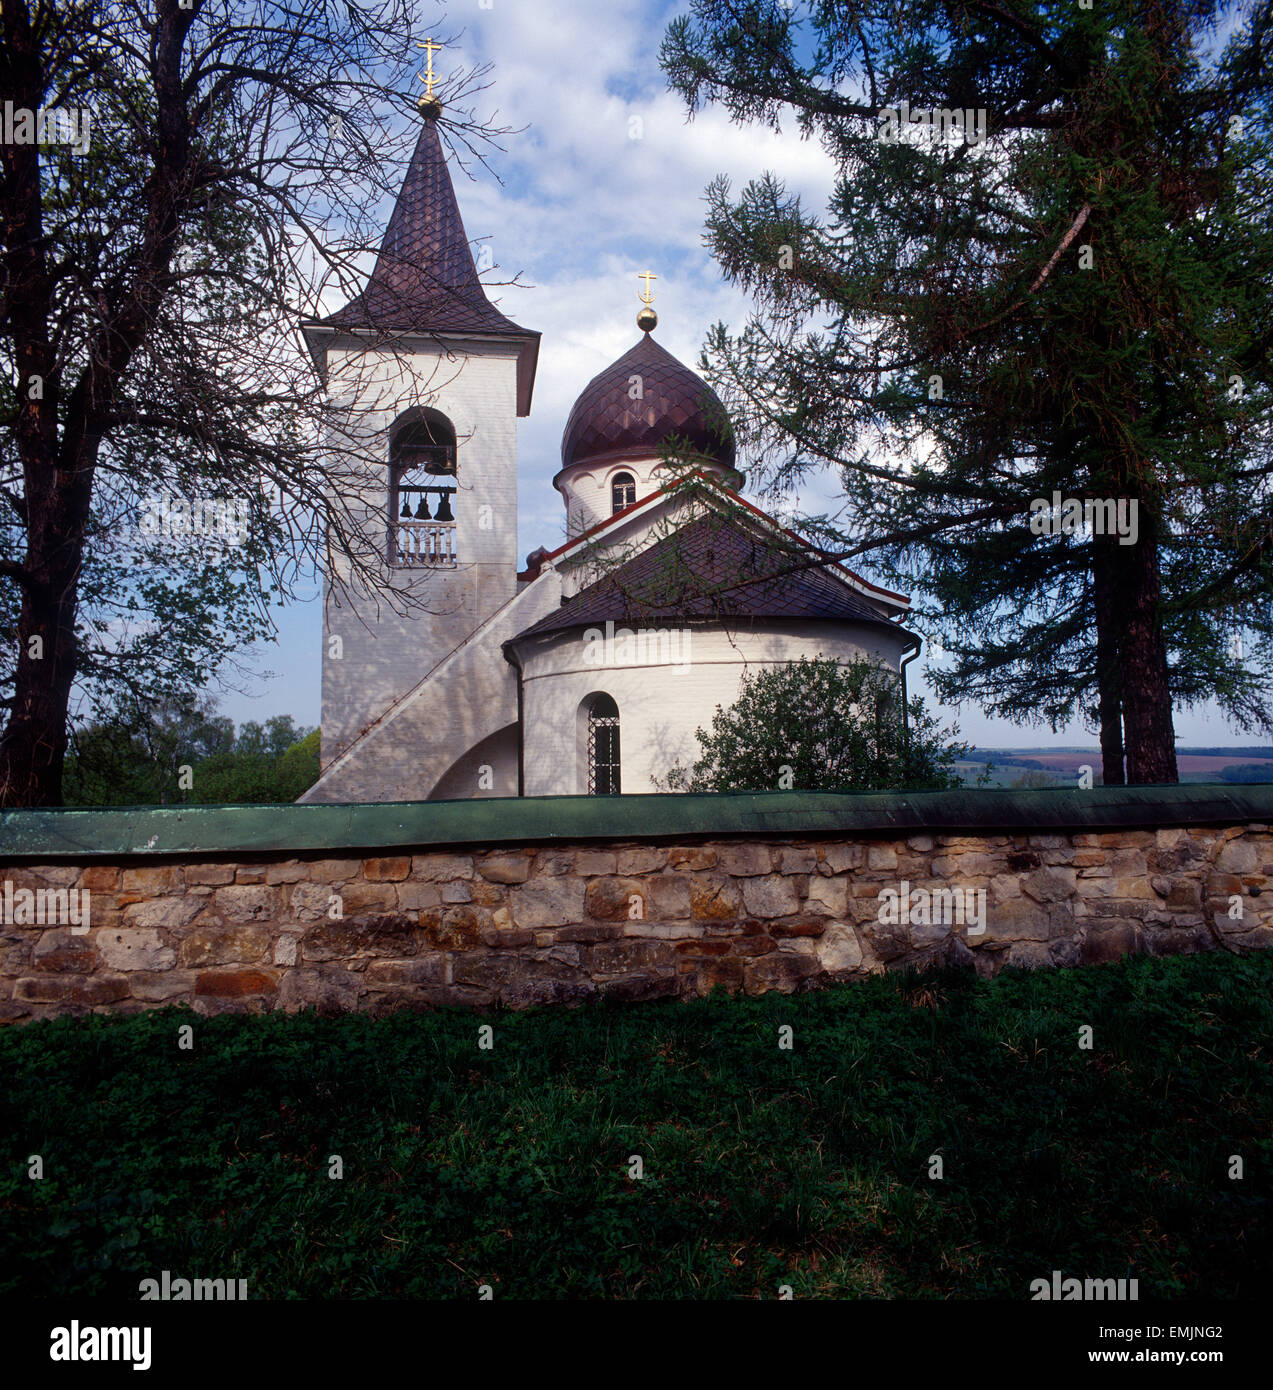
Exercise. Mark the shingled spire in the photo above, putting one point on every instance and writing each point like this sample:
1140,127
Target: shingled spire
425,280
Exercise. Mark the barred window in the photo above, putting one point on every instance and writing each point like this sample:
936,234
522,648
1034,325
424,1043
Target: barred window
603,747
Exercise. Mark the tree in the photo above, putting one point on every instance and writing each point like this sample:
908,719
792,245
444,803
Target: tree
136,757
255,772
187,753
1247,772
156,387
1073,296
821,725
270,740
296,768
109,766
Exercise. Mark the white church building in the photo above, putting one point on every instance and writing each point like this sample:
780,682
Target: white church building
588,670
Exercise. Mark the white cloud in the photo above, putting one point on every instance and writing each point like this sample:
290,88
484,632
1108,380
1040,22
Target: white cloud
583,206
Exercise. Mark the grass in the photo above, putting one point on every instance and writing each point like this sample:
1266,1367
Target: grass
762,1167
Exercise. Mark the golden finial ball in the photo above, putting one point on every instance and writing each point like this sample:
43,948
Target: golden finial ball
647,320
430,106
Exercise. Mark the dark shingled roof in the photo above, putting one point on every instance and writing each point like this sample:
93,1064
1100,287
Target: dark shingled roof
713,569
607,423
425,279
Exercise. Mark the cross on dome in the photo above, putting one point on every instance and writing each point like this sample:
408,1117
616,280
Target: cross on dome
428,102
647,319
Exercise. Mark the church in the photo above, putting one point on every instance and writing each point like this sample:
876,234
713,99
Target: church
587,669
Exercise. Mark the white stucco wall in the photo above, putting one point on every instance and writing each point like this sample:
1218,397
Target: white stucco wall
660,706
586,488
488,769
384,653
411,754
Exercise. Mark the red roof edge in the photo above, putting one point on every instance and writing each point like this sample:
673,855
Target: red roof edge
737,497
601,525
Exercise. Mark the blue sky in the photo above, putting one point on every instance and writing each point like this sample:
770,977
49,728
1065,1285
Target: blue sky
575,207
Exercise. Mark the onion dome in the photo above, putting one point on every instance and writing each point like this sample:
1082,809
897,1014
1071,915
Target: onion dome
626,411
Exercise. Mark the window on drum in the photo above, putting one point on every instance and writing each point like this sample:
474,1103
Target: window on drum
622,492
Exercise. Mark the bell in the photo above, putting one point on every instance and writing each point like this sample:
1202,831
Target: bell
444,507
405,513
422,511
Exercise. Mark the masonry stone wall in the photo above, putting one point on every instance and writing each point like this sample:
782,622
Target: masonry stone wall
562,924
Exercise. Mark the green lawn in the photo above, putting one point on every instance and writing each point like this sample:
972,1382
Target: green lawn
762,1167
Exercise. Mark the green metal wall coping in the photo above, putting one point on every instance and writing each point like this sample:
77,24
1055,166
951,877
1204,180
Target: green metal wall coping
157,831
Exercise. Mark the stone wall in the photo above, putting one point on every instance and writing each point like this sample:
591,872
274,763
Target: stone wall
527,925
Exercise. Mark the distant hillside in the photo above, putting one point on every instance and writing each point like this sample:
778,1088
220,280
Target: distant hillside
1043,767
1013,756
1248,772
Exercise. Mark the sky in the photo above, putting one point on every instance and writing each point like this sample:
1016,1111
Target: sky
604,178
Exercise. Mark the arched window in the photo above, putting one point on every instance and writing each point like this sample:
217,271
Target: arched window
422,466
622,492
603,746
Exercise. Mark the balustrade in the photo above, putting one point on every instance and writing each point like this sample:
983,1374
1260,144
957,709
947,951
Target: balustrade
419,538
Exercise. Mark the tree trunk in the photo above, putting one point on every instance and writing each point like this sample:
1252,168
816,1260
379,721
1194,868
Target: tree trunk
58,473
33,748
1109,696
1147,713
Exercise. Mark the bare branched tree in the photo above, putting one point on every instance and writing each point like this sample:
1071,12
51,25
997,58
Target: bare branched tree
225,180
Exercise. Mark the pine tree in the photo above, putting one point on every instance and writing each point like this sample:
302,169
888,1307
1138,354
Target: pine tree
1062,287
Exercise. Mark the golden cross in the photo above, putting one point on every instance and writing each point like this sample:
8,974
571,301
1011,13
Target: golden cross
432,48
647,276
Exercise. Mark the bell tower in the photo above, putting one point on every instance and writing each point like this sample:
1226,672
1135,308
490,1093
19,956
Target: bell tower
435,378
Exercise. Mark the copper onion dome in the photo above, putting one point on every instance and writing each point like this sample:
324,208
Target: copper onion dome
607,424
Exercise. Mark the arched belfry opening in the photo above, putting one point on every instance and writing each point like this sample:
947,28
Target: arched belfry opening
422,474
